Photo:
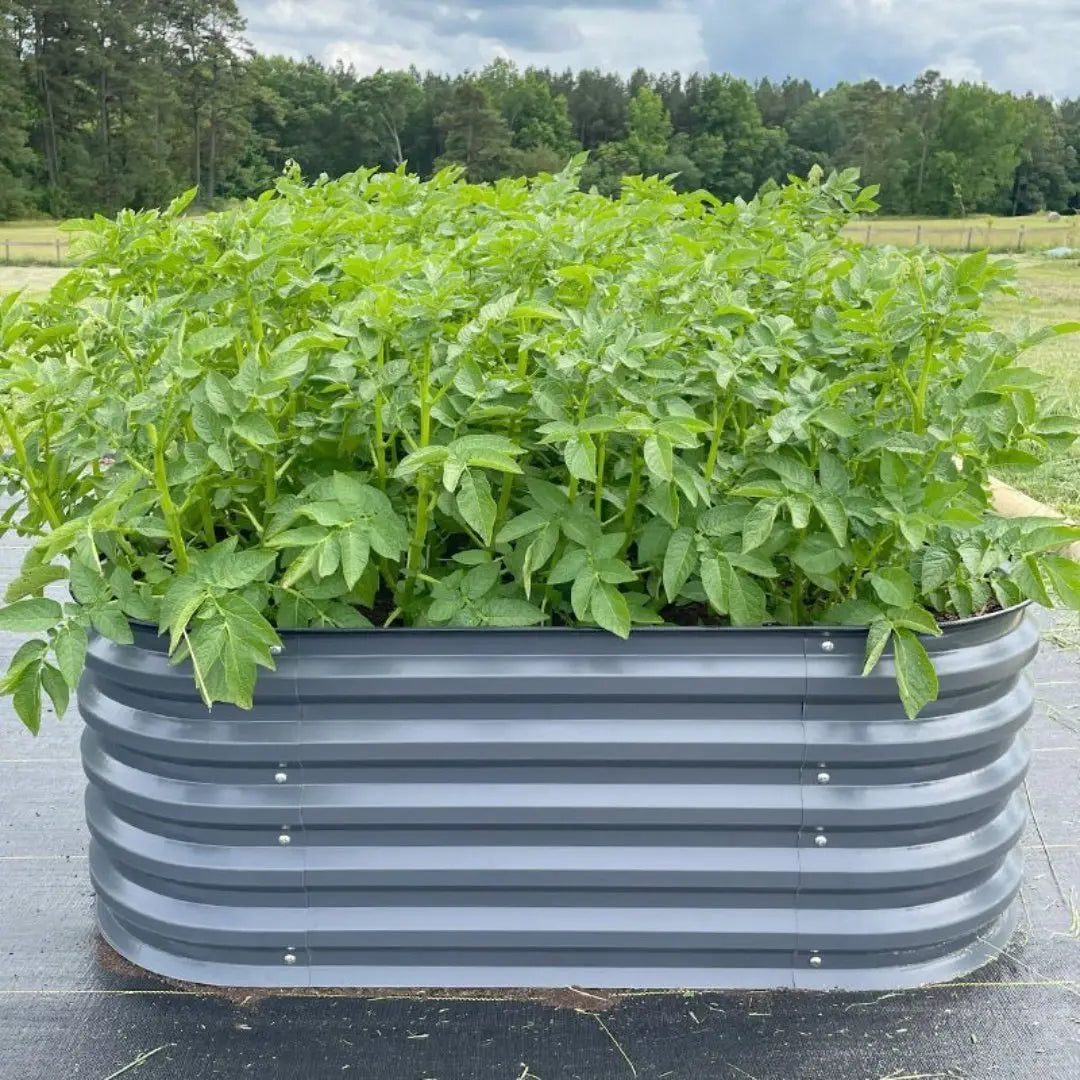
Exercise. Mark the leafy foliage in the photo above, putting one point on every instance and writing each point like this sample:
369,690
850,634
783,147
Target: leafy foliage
378,401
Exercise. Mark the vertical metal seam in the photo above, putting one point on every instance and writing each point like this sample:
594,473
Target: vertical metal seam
305,847
799,872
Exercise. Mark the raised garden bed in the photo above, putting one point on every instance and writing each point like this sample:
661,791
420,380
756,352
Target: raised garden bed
509,585
549,807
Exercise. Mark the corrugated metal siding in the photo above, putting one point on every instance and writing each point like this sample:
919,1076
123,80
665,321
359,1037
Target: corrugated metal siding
544,807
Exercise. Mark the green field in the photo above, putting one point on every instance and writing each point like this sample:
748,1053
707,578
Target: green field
1050,294
32,242
1013,234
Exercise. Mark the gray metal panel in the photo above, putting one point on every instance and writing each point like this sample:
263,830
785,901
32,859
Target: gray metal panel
537,807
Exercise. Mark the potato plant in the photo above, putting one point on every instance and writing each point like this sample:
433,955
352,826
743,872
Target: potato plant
381,402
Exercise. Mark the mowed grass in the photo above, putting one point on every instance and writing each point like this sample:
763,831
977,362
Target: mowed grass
1034,232
32,242
1050,291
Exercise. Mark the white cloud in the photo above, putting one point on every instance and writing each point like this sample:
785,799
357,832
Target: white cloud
1016,44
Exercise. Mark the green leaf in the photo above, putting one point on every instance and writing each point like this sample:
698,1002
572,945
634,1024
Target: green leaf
69,647
1064,578
568,567
227,650
255,429
915,674
581,593
818,555
475,504
241,568
715,583
799,508
840,423
30,652
303,537
110,622
894,586
424,458
580,456
793,472
510,611
480,580
609,609
355,552
877,638
219,393
680,561
182,599
659,457
1027,576
33,579
746,599
831,511
853,613
207,340
30,615
522,525
758,524
56,687
27,696
938,564
915,618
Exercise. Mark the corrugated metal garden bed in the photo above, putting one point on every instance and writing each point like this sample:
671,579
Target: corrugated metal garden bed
690,807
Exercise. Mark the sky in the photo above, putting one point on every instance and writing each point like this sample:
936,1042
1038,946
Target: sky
1019,45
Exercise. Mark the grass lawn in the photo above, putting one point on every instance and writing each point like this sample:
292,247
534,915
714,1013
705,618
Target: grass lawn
31,242
1030,233
1051,294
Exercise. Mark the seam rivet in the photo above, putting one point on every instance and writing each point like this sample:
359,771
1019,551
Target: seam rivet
828,646
280,777
284,839
289,958
815,960
822,777
821,840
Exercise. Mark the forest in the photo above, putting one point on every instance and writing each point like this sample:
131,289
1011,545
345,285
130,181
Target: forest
126,103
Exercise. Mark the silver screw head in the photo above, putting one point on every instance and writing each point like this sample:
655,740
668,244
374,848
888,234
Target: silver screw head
815,960
289,958
828,646
821,840
823,777
280,777
284,839
276,650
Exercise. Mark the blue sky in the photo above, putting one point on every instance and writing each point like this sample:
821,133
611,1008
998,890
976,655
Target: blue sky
1012,44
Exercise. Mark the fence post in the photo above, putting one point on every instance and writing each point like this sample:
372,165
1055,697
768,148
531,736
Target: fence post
970,232
7,251
58,251
918,234
868,228
1020,238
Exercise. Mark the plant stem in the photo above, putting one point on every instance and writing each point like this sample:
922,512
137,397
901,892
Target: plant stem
379,449
168,507
36,491
631,500
598,494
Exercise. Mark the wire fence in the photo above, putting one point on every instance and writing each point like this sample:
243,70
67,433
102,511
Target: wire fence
996,236
46,252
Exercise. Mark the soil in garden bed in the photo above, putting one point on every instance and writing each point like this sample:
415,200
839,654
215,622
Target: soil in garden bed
560,997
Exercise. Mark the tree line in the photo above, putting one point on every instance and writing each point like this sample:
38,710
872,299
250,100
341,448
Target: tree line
124,103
